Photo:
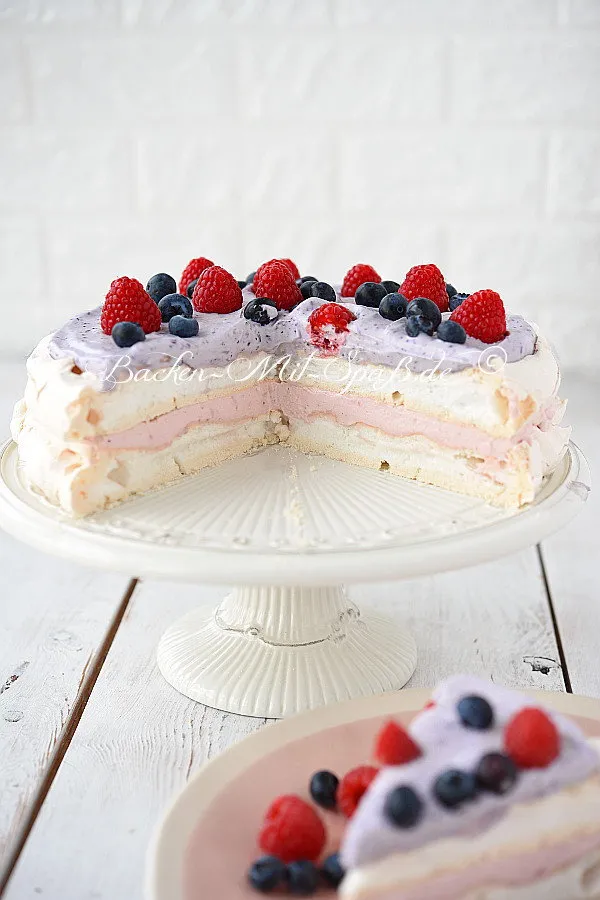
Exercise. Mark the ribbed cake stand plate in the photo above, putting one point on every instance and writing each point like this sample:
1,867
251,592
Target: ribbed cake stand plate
288,528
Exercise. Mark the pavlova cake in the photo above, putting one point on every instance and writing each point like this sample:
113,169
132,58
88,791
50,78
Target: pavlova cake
410,377
486,796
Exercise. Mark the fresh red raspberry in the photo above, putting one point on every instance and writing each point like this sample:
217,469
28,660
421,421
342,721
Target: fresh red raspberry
216,291
352,787
292,830
327,326
357,275
194,268
292,267
394,745
128,301
425,281
531,739
482,316
275,281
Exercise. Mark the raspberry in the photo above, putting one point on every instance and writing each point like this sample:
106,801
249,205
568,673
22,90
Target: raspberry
352,787
327,326
482,316
292,267
425,281
275,281
356,276
394,746
127,301
216,291
531,739
292,830
194,268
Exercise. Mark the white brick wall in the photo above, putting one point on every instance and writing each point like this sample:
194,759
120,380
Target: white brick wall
135,134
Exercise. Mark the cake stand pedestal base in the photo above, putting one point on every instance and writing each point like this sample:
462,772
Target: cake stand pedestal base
275,651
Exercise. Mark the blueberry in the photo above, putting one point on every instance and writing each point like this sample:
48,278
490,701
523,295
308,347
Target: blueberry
306,289
450,290
391,286
421,306
175,305
424,324
496,773
322,290
241,284
266,874
475,712
412,327
183,327
302,878
261,310
403,807
332,871
250,278
371,293
455,301
452,332
323,788
393,306
126,334
305,278
160,285
455,787
190,288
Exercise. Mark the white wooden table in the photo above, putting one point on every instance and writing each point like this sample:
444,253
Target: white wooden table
94,743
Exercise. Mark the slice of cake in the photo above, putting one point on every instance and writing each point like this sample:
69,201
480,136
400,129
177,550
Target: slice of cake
410,378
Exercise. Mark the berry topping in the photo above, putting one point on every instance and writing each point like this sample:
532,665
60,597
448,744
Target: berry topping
352,787
394,745
356,276
250,277
193,270
531,739
391,286
292,267
275,281
482,316
266,874
261,310
426,281
393,306
424,324
455,301
327,326
292,830
306,289
412,327
422,306
160,285
175,305
323,789
305,278
323,290
332,870
126,334
127,301
302,878
496,773
371,293
241,284
403,807
475,712
454,787
183,326
190,288
216,292
450,290
451,332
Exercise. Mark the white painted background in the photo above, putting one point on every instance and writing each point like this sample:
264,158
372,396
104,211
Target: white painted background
135,134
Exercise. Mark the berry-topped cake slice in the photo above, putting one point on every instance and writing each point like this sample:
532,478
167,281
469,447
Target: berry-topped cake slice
411,377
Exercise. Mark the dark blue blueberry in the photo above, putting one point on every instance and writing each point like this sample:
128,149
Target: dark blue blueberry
241,284
454,787
426,326
160,285
183,327
403,807
175,305
371,293
261,310
455,301
332,871
452,332
475,712
266,874
306,289
391,286
126,334
412,327
450,290
302,878
393,306
305,278
190,288
496,773
422,306
322,290
250,278
323,788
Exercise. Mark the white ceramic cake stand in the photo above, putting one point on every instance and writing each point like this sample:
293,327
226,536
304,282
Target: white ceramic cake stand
288,529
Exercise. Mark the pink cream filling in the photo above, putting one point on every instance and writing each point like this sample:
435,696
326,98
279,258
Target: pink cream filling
298,402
